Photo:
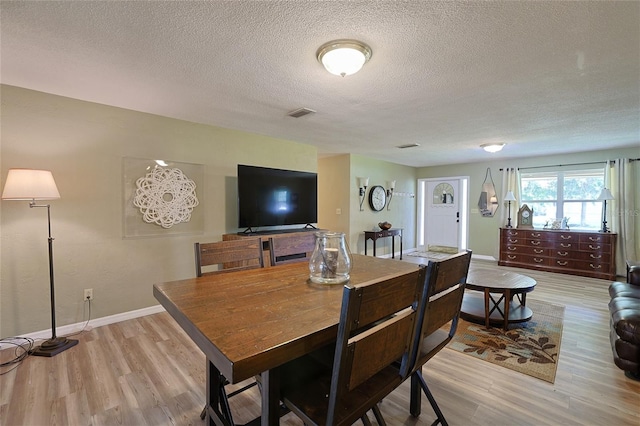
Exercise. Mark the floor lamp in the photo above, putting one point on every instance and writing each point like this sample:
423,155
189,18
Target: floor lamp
605,196
509,197
32,185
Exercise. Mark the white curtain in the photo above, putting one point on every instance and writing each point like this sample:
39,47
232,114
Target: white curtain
623,179
510,182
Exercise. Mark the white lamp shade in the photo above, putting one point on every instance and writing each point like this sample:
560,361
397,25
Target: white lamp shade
29,184
363,182
509,196
605,194
391,184
344,57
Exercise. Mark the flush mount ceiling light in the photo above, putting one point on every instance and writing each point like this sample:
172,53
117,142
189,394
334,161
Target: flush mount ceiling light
492,147
343,57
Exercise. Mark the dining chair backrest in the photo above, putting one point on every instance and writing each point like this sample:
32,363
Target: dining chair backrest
440,305
377,323
291,248
232,255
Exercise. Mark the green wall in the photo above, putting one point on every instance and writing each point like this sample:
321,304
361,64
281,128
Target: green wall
83,144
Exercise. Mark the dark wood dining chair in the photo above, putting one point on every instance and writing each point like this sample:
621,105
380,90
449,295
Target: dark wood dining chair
229,256
377,324
437,322
291,248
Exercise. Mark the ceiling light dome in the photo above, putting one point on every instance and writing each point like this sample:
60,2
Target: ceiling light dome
343,57
492,147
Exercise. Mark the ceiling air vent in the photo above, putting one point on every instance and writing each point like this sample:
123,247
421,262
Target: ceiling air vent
300,112
409,145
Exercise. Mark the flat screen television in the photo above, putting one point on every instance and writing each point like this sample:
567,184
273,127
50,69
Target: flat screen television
275,197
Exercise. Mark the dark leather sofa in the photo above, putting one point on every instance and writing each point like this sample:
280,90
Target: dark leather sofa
625,322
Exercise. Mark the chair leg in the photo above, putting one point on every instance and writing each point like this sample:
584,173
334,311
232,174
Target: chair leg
365,420
378,415
432,400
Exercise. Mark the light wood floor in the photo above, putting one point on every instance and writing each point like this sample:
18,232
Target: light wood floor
146,371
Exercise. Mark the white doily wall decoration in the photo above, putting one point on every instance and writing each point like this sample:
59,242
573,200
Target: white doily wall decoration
165,197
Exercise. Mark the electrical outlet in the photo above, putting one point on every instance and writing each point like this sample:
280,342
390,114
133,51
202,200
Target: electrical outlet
88,294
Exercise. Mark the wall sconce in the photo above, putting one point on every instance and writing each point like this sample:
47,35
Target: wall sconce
509,197
605,195
362,189
391,185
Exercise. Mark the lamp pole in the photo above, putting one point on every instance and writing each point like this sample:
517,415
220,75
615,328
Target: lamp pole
55,345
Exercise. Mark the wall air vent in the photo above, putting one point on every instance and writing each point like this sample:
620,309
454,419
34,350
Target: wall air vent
409,145
300,112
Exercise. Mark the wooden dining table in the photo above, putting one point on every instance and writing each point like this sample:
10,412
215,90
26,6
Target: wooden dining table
249,322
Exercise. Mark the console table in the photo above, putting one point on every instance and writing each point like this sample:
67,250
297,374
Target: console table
589,254
374,235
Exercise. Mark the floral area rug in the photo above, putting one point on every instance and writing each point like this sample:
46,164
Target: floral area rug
531,348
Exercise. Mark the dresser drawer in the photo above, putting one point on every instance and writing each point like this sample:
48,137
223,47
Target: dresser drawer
588,254
596,238
595,247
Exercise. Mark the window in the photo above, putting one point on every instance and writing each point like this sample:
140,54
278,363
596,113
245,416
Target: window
571,194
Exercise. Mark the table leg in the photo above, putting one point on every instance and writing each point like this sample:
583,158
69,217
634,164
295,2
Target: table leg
270,398
400,245
365,246
507,306
486,307
214,382
393,247
374,247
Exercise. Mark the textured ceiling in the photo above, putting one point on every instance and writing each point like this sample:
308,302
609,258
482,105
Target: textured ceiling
545,77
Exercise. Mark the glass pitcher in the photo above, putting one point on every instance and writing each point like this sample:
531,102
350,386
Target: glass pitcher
330,262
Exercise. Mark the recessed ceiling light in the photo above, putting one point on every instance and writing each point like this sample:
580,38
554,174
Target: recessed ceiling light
492,147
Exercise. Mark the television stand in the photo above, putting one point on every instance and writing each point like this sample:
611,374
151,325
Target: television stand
251,233
264,238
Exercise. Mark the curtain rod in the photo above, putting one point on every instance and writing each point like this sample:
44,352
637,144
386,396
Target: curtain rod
575,164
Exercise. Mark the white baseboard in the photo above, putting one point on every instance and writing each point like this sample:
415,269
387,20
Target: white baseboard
111,319
483,257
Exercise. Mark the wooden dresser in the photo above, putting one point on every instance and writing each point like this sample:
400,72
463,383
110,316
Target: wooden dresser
589,254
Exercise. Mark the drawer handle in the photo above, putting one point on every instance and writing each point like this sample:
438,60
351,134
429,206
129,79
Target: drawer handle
594,248
595,257
565,237
595,267
563,253
538,251
511,240
563,245
510,233
537,234
594,239
535,259
535,243
562,263
511,257
512,248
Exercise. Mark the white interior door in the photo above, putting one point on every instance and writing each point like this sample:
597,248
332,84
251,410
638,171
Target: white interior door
443,213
